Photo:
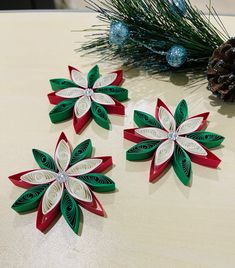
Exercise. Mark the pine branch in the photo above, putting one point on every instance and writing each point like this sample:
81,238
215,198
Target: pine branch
154,29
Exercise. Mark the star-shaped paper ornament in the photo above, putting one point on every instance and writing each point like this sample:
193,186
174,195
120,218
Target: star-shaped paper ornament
172,139
63,184
86,96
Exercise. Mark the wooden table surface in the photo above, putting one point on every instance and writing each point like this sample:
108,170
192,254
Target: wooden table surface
164,224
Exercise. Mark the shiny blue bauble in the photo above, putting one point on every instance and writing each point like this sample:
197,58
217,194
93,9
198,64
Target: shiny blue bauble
179,6
119,33
176,56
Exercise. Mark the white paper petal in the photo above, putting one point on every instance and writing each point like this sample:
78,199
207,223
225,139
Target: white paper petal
191,146
152,133
78,190
164,152
190,125
82,106
166,119
102,99
105,80
62,155
84,167
70,92
52,196
40,176
79,78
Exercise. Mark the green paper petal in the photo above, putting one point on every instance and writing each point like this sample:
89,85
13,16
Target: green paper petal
208,139
145,120
100,115
62,111
98,182
44,160
30,199
182,165
70,211
60,83
181,112
142,150
93,75
82,151
117,93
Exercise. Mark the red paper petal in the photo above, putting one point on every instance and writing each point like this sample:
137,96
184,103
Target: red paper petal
54,99
156,171
205,116
159,104
15,179
62,137
130,135
43,221
70,71
94,206
210,160
118,79
107,161
118,108
79,123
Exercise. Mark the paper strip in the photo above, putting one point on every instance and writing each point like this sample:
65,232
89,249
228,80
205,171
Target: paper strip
70,211
62,155
98,182
78,190
44,160
152,133
52,197
191,146
39,177
164,152
84,167
82,151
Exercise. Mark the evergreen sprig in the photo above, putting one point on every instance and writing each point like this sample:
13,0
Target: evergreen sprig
154,28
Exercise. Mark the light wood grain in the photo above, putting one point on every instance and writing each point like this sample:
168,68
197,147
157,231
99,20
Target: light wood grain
158,225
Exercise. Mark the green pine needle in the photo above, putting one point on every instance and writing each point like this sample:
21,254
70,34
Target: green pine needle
155,28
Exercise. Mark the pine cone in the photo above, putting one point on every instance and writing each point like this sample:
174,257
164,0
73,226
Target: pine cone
221,71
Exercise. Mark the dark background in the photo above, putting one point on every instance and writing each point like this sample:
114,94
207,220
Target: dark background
26,4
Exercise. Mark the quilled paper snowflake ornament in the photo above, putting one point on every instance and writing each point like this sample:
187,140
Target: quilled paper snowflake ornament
86,96
63,184
172,139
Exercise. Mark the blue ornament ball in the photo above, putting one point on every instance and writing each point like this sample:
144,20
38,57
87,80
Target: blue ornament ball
179,6
176,56
119,33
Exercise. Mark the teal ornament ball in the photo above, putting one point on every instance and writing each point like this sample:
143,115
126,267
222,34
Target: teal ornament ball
179,6
119,33
176,56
